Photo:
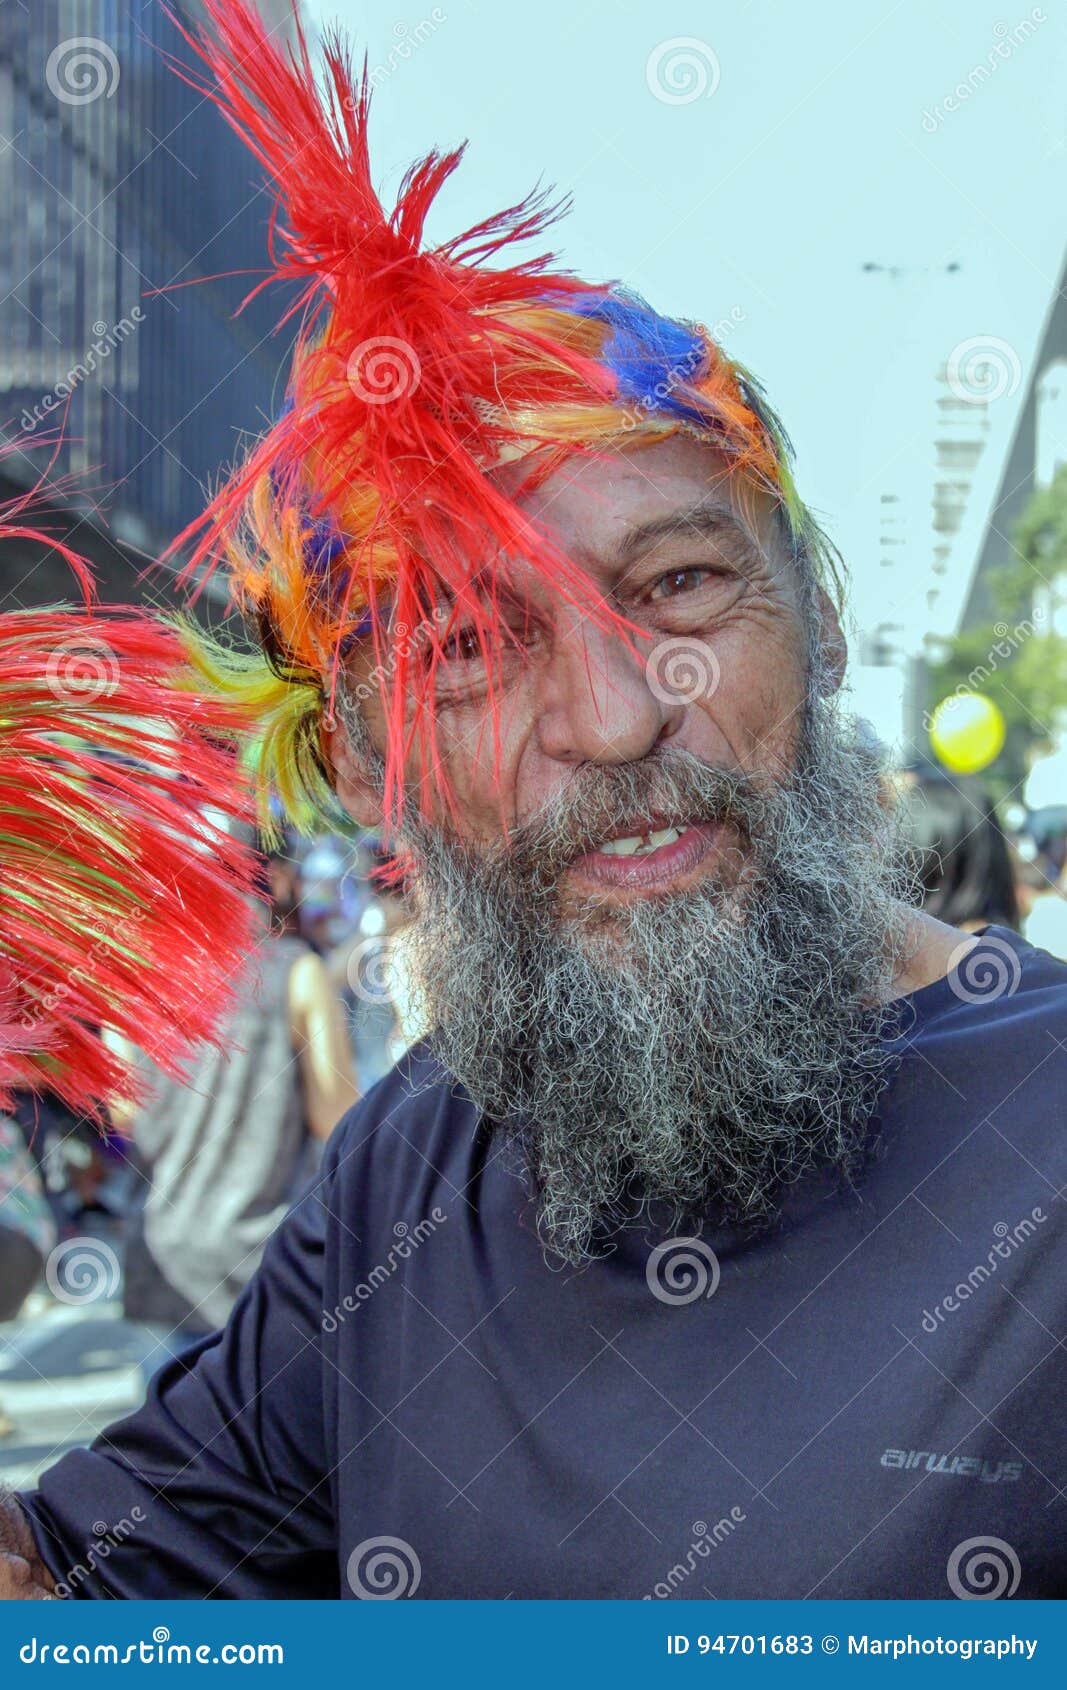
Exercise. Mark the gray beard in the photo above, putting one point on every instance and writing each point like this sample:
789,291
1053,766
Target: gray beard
691,1055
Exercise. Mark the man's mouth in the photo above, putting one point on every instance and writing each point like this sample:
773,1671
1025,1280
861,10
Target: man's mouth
640,844
649,857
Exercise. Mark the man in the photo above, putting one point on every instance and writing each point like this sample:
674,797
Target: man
709,1243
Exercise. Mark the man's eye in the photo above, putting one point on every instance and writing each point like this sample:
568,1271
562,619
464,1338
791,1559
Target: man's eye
463,646
679,581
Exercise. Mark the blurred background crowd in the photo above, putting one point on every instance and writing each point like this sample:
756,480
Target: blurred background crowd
947,491
119,1250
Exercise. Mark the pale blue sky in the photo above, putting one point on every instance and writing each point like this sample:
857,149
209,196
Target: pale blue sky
765,198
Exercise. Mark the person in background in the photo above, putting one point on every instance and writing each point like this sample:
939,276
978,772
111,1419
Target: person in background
326,915
961,856
1042,882
371,971
76,1161
27,1230
226,1152
281,873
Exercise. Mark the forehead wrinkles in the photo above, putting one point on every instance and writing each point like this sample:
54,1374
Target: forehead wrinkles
593,501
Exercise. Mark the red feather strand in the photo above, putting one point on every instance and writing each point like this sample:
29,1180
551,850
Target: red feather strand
121,904
464,373
12,512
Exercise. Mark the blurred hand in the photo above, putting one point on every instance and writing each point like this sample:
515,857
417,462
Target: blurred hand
19,1581
23,1576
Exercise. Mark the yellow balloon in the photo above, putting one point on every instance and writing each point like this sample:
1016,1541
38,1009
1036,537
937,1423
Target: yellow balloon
967,732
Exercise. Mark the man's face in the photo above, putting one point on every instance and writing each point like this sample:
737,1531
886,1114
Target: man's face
654,926
716,665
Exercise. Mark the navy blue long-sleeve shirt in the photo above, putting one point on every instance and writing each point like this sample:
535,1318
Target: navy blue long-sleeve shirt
411,1399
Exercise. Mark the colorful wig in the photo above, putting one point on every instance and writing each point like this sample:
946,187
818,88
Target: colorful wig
125,896
367,511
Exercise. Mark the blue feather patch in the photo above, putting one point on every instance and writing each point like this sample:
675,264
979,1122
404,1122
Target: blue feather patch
654,359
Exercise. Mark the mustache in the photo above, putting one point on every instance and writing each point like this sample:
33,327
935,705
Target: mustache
672,787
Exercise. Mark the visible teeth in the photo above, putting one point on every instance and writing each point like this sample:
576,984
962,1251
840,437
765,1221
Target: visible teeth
638,845
628,847
665,836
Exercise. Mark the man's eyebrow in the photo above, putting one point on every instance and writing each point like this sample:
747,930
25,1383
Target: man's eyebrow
707,517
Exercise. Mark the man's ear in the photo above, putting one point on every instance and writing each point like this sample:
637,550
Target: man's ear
833,646
355,790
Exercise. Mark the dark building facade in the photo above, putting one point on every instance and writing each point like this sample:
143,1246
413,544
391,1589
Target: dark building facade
119,181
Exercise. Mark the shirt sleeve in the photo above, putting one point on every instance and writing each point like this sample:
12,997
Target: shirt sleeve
219,1486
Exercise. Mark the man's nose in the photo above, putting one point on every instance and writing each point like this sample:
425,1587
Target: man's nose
595,701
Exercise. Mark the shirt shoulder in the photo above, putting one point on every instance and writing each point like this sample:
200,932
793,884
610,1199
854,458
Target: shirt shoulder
988,1044
416,1133
994,988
